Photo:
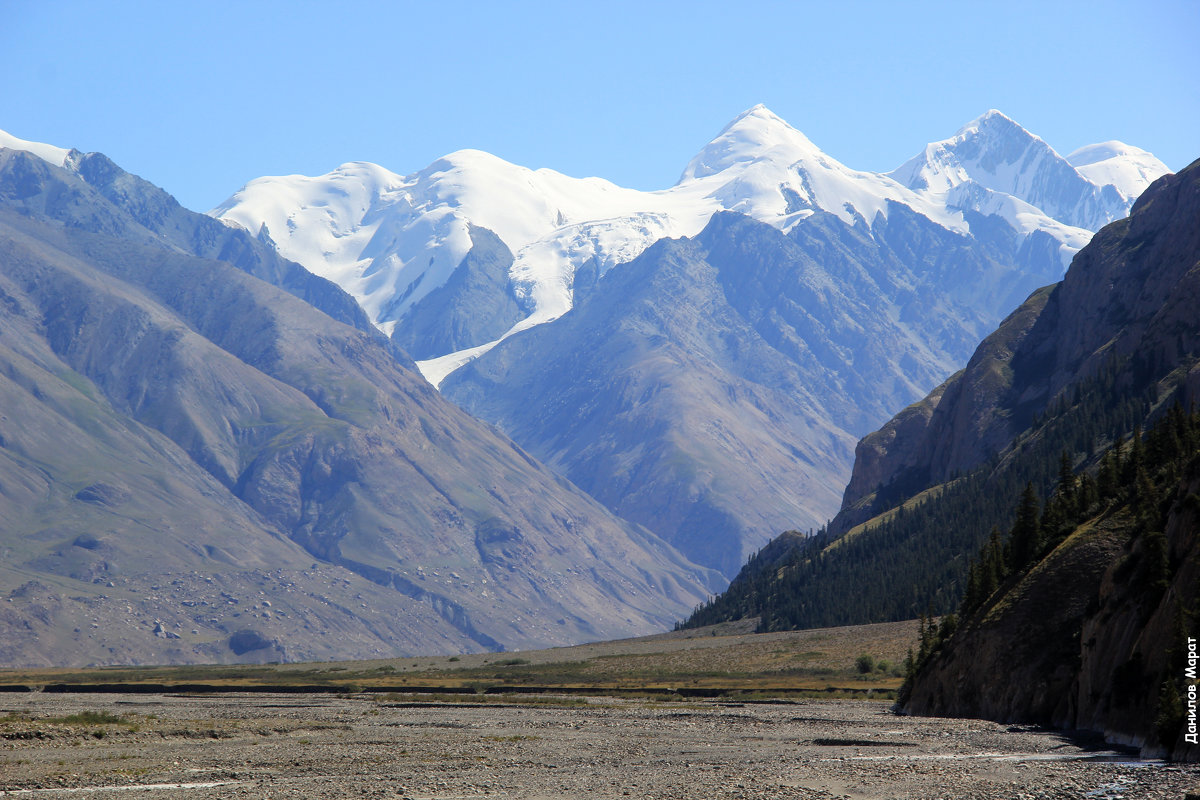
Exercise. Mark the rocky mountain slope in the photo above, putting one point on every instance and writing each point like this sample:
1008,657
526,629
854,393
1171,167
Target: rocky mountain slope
711,389
176,429
140,211
1092,631
1125,303
1077,366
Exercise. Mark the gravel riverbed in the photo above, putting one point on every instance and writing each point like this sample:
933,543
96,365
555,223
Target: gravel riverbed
322,746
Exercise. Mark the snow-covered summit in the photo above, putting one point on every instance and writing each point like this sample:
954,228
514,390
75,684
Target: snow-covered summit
756,134
391,240
999,156
761,166
1127,168
47,152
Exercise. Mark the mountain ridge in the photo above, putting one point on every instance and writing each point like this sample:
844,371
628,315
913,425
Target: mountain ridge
710,389
315,436
758,165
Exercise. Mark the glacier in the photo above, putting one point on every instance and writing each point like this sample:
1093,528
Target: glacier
389,239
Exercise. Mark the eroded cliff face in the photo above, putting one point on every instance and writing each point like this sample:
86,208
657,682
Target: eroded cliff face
1127,302
1082,641
1132,642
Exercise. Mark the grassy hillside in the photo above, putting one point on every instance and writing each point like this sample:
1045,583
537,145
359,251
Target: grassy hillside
721,660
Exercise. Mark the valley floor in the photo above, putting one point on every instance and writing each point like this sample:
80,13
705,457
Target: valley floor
338,746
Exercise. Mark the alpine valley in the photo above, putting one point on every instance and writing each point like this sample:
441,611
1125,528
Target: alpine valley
216,446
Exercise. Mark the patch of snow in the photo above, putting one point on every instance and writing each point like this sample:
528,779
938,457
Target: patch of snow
47,152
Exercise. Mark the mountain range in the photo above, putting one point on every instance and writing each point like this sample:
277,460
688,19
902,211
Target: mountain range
196,465
391,240
693,366
716,403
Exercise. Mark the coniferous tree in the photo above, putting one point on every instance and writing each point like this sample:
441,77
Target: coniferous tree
1066,478
1087,495
972,598
1025,539
1137,456
1107,477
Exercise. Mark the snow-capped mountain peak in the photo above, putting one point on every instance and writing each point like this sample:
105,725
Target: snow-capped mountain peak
997,122
991,150
1127,168
47,152
762,167
392,240
997,155
754,135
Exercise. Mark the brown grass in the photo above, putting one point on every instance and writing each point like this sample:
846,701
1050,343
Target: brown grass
724,657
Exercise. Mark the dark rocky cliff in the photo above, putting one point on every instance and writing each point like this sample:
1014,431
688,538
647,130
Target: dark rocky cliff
1088,638
1092,635
1127,303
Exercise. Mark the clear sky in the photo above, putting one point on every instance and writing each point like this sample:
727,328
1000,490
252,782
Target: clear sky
200,97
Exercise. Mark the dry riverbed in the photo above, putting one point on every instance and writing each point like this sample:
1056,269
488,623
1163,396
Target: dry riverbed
329,746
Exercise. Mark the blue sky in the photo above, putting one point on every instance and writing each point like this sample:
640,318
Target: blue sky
201,97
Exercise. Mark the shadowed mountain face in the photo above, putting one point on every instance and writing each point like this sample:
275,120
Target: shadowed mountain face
171,423
1092,632
1126,305
475,305
711,388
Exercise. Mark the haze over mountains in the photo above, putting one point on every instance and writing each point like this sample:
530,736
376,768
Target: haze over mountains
721,405
699,360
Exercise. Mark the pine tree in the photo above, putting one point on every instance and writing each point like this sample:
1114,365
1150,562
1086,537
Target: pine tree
1087,495
1108,476
1137,456
1066,479
1025,539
